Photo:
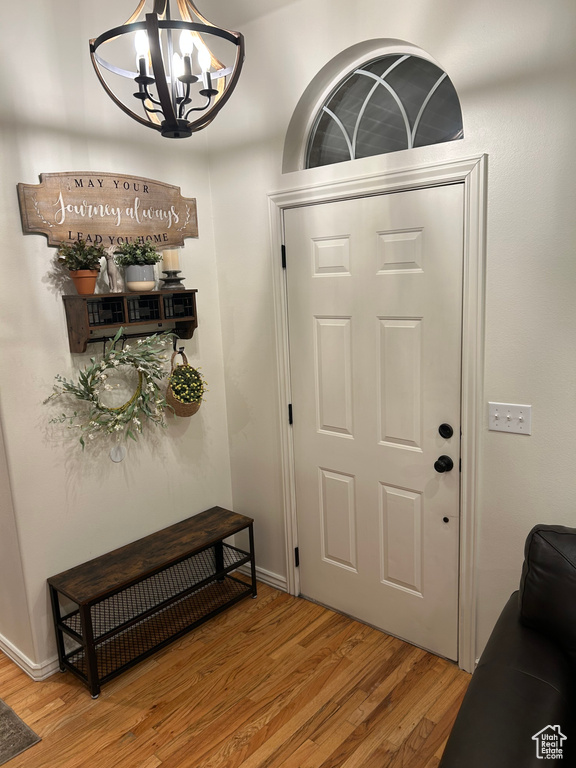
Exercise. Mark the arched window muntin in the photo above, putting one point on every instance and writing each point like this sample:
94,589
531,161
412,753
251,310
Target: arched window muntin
391,102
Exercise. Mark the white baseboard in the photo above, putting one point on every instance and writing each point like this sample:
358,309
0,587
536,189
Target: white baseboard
267,577
36,671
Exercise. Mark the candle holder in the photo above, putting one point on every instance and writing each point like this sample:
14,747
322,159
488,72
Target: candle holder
172,282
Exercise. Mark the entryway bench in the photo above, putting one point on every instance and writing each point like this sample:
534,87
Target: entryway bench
115,610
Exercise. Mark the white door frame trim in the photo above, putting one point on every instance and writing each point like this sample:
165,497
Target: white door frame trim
472,172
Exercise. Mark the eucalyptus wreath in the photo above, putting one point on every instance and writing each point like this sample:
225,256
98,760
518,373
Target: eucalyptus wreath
146,404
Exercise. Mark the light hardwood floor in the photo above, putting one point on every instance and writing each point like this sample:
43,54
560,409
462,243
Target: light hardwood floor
275,682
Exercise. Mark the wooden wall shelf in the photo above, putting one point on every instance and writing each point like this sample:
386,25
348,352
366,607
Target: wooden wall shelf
102,311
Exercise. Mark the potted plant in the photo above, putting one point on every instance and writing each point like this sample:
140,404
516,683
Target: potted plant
138,259
186,387
83,261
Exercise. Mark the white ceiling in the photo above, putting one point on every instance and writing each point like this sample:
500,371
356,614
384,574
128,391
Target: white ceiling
233,14
230,14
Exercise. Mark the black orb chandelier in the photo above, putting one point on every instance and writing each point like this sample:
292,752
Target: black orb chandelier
181,81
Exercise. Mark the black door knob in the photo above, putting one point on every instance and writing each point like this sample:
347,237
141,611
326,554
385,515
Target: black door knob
445,431
443,464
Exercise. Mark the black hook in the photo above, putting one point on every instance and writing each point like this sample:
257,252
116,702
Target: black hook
174,338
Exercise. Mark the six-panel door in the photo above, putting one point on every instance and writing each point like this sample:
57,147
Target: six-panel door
375,315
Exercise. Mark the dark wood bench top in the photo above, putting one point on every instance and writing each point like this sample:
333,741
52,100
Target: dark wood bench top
121,567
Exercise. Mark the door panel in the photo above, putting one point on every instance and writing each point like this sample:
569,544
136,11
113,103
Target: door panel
400,379
333,363
375,304
338,509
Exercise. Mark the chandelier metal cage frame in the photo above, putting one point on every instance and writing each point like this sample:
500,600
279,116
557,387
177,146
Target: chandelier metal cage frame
170,110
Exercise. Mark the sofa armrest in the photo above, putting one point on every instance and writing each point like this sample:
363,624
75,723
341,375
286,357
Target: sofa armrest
522,684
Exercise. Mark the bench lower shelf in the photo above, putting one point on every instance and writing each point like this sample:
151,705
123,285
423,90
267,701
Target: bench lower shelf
139,641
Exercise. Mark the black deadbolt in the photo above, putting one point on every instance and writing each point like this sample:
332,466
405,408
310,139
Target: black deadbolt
443,464
445,431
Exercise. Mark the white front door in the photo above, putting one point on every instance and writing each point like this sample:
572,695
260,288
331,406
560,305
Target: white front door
375,318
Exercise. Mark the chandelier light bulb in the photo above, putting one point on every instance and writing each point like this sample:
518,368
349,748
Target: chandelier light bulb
177,65
204,58
141,44
186,42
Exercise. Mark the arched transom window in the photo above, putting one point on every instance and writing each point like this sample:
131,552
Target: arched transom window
391,103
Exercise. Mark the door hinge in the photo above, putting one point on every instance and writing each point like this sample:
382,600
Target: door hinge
283,256
297,557
460,465
290,419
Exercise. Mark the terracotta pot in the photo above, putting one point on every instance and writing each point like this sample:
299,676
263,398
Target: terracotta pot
84,280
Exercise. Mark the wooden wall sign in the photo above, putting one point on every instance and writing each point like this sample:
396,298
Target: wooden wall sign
106,208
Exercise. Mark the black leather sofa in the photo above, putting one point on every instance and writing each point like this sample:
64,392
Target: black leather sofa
520,706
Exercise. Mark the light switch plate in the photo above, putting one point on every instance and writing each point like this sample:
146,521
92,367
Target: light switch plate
506,417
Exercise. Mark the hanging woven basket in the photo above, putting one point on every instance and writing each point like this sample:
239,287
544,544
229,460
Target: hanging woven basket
180,408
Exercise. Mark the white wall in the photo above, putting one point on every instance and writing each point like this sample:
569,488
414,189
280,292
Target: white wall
69,506
514,67
16,633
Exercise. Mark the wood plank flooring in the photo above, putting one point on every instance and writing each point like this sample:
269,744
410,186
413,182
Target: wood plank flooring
276,682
